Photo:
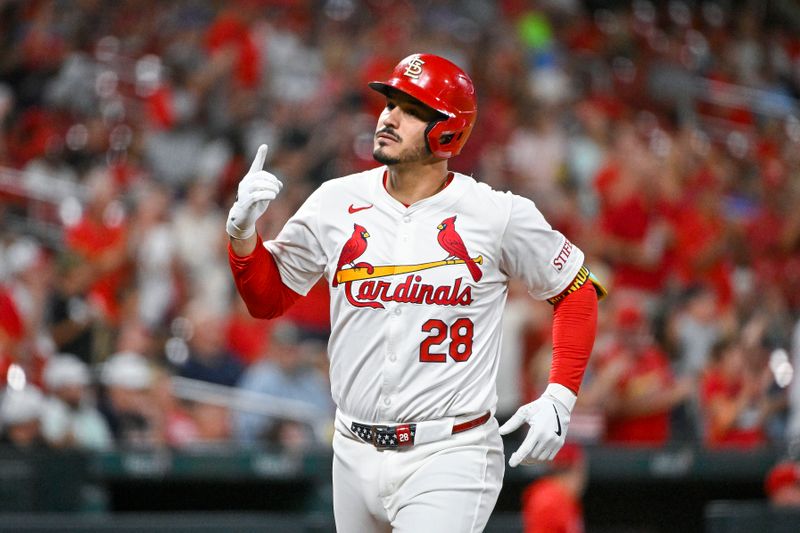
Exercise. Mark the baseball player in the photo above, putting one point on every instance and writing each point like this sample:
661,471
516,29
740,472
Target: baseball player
418,260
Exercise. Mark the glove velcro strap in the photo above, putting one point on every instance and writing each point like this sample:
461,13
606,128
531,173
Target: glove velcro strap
561,393
238,233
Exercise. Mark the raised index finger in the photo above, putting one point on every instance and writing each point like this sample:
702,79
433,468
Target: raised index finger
261,156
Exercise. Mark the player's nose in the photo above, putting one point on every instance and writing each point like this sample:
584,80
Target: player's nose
392,117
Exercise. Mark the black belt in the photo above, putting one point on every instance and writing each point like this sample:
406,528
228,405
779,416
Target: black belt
390,437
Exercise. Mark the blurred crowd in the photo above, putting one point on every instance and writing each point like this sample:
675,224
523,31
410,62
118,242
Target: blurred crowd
661,138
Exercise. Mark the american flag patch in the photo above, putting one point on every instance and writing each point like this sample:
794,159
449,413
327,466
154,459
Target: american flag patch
385,436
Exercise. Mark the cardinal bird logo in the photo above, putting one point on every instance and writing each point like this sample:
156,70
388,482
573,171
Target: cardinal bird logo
450,240
354,248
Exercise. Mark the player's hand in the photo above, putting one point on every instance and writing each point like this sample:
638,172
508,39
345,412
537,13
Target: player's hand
257,188
548,418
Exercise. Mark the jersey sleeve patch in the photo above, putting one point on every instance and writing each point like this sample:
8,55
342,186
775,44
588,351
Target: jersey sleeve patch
559,261
584,275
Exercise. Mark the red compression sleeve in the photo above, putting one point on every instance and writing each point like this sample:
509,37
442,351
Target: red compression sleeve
574,329
259,283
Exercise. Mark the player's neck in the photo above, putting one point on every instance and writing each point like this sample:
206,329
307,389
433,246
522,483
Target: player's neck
412,183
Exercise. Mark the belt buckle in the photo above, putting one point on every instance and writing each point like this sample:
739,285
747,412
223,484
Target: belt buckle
374,430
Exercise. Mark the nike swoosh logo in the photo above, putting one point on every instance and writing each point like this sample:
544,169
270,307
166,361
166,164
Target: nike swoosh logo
352,209
558,431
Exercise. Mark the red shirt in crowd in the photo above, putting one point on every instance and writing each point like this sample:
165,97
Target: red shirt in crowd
631,220
771,258
92,240
230,31
716,386
247,337
646,372
12,331
697,234
312,313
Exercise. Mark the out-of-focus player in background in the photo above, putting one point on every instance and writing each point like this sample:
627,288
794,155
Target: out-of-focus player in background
418,259
552,503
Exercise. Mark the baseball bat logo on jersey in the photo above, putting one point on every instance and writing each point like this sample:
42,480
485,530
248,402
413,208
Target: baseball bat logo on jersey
412,289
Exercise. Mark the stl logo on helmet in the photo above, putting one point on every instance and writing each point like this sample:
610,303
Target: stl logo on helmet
414,68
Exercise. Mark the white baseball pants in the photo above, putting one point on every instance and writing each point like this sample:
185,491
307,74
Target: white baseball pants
449,485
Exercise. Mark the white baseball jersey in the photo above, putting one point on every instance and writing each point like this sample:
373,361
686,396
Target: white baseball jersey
417,292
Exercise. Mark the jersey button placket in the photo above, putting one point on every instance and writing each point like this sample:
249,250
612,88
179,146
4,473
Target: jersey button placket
405,236
389,380
396,329
391,376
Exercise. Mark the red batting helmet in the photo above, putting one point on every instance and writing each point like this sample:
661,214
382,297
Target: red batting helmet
442,86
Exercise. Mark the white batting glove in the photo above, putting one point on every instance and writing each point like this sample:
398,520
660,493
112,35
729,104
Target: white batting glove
255,191
548,418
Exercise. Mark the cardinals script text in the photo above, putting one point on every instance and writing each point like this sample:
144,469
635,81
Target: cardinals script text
409,291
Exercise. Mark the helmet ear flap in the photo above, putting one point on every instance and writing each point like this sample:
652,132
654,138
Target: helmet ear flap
443,136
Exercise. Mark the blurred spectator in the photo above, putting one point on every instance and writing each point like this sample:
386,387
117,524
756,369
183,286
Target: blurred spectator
695,327
156,267
28,270
132,335
69,417
51,174
290,370
208,358
188,424
760,333
206,266
99,238
734,400
536,153
782,484
772,234
641,389
704,239
28,288
552,504
173,154
587,149
127,400
635,233
12,330
213,423
295,66
20,418
176,425
71,314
